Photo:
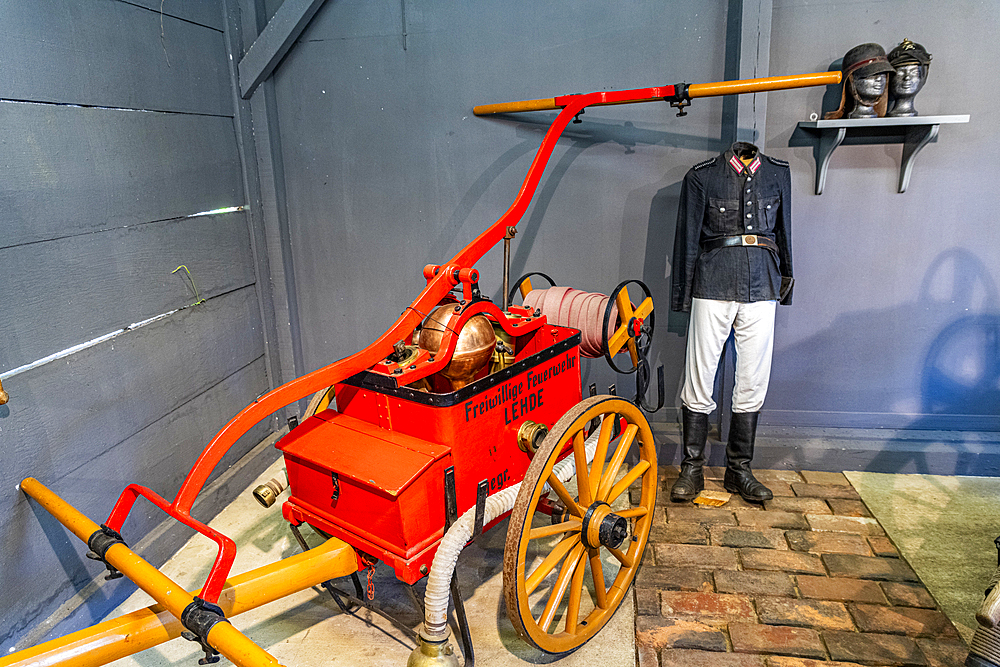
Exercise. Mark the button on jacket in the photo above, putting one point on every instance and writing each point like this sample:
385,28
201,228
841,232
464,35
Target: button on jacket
724,197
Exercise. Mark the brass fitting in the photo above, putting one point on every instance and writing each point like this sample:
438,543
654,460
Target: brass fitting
4,396
530,435
268,492
503,355
433,654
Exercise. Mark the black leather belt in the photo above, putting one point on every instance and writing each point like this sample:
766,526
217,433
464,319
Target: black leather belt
742,240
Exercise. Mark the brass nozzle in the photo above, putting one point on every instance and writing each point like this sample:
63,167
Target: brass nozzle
4,396
433,654
530,435
268,492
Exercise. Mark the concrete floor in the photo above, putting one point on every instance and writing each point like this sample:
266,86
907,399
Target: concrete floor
309,629
943,526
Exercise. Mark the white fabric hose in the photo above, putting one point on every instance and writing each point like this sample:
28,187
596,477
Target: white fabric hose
437,594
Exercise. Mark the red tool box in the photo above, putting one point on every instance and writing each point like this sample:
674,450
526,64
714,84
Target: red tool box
372,472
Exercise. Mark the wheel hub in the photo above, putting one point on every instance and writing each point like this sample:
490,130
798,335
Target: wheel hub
602,527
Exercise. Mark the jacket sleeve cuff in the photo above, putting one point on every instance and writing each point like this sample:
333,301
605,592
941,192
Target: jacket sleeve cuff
787,283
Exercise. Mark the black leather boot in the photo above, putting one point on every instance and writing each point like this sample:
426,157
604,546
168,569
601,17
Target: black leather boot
739,452
692,478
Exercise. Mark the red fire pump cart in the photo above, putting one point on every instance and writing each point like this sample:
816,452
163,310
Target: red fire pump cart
462,407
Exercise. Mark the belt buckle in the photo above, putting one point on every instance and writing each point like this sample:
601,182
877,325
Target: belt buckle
749,239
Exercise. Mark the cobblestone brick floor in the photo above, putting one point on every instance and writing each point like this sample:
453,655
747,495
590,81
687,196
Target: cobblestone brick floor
809,579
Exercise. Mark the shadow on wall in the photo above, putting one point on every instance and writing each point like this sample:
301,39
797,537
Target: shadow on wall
670,336
859,367
530,129
960,381
656,272
584,135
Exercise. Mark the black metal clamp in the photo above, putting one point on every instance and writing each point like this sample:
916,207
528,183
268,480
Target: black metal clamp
99,542
680,98
481,492
199,618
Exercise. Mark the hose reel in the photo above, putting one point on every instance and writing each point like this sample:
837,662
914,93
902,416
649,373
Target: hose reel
608,325
523,285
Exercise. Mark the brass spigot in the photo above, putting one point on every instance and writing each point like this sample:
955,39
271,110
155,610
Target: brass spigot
269,491
4,396
431,653
530,435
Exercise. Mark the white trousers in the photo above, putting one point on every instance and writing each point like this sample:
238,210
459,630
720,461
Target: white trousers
708,329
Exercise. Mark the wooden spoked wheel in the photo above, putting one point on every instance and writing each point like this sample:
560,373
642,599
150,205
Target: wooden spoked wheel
553,602
319,402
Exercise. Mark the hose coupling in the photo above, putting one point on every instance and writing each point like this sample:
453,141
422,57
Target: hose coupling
530,435
433,653
268,492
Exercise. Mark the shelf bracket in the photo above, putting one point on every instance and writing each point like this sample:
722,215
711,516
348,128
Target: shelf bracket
916,138
914,132
829,139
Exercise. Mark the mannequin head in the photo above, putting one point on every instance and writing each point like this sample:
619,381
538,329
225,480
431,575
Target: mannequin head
910,63
865,91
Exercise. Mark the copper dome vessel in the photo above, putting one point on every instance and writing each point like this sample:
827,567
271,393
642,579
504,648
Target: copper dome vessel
476,342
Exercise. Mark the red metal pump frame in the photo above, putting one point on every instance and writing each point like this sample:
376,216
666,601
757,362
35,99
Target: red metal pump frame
440,281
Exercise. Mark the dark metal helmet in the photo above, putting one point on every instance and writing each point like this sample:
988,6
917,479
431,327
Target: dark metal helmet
909,53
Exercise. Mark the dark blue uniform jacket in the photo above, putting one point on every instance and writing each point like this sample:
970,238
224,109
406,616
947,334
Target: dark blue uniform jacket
724,197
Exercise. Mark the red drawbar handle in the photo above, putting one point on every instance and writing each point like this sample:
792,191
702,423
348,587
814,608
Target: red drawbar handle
227,548
439,284
437,287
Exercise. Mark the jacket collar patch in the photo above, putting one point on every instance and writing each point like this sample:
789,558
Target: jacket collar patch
738,166
735,163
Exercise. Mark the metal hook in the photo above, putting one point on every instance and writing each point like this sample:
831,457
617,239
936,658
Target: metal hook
642,383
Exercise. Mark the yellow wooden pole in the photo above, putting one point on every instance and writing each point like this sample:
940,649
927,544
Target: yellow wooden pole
763,85
658,94
130,633
514,107
226,639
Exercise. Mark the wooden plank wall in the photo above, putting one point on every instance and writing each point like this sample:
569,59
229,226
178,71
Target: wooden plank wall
116,132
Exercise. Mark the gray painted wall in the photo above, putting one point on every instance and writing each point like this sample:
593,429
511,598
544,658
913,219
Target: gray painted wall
897,304
118,126
360,161
386,169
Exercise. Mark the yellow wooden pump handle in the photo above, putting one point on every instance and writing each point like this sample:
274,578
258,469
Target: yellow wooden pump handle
763,85
668,93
